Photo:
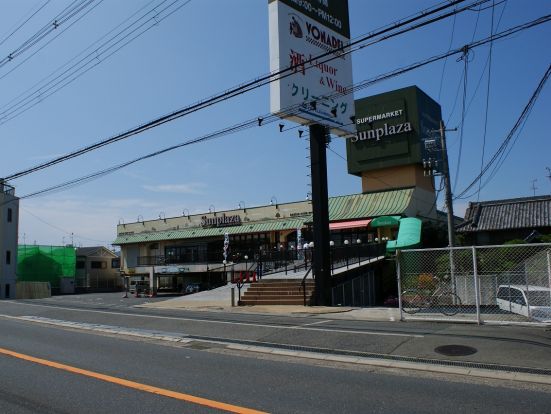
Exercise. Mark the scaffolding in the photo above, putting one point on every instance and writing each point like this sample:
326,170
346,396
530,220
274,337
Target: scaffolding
45,264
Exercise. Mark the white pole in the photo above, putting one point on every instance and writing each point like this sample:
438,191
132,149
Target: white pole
549,270
476,286
398,276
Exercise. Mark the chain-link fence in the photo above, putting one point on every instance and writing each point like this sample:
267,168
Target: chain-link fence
509,283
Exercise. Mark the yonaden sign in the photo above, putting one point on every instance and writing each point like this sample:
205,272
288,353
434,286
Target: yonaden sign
316,89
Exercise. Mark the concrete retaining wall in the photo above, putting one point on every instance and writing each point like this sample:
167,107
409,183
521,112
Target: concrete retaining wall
33,290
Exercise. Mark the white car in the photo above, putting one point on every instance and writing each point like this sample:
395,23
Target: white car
531,301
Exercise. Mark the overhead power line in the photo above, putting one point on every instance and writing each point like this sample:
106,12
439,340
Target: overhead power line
487,104
266,79
465,58
518,124
98,53
482,72
445,60
69,233
269,118
23,23
424,62
66,15
59,33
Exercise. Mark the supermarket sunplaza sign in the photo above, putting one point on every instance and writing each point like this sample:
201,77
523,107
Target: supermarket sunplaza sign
307,39
383,130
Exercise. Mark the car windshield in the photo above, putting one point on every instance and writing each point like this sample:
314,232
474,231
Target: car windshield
539,298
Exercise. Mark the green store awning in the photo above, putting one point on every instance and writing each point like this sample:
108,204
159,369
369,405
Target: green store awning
409,235
386,221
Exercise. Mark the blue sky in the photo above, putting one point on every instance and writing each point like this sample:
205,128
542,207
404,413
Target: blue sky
208,46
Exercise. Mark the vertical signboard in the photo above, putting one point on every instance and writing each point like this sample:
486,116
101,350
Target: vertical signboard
308,38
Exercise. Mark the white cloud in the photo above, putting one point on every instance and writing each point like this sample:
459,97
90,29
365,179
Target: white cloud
191,188
92,222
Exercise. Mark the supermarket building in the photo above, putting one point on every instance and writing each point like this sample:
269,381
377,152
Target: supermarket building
390,151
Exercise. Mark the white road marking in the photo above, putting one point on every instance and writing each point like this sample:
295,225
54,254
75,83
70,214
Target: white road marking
258,325
315,323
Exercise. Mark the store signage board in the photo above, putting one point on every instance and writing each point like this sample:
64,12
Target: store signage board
316,90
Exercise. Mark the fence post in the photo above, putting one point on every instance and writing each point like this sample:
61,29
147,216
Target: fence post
399,277
476,286
549,269
527,296
452,270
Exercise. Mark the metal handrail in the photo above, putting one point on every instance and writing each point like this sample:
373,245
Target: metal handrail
303,284
240,283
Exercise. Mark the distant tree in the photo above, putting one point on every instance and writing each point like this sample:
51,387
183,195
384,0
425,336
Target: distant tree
434,235
515,241
545,238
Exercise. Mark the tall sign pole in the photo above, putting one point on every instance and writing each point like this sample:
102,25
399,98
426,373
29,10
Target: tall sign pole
306,42
320,209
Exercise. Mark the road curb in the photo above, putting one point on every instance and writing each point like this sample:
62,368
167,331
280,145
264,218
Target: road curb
367,361
382,363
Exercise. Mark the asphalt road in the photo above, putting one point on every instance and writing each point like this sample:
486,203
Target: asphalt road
247,381
528,347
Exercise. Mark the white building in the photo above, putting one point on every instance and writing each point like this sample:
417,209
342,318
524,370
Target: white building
9,224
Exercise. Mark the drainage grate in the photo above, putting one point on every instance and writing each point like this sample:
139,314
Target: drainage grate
455,350
461,364
199,346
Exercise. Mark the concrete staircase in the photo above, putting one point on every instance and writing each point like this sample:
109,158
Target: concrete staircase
278,292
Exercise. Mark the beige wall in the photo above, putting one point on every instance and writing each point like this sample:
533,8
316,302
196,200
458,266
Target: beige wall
396,177
287,210
423,204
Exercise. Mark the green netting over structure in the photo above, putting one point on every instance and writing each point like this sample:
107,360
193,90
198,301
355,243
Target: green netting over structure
45,263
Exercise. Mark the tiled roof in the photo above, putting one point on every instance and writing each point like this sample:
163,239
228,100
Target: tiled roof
349,207
95,251
516,213
383,203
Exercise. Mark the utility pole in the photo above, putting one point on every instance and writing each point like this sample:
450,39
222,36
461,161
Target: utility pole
534,188
449,203
447,185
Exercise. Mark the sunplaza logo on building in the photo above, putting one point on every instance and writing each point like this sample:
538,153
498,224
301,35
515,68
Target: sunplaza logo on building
383,131
221,221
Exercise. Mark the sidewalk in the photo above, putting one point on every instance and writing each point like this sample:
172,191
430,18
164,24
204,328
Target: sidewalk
220,300
371,336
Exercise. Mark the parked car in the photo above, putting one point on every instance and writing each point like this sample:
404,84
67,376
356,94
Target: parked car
140,285
193,287
531,301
